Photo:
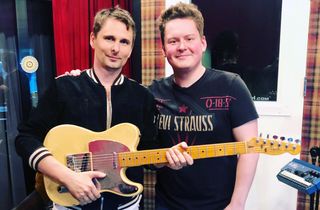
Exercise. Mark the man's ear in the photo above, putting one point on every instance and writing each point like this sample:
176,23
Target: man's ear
163,52
92,40
204,43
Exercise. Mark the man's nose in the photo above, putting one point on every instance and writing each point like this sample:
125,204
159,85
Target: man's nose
182,45
115,47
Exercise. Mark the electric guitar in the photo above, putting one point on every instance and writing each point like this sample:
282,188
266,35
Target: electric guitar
113,150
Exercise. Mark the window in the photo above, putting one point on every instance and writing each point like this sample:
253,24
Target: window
243,37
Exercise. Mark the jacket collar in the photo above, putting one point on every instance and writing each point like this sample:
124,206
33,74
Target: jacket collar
93,76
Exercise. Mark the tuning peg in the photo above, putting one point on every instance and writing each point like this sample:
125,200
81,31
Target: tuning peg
264,141
297,141
272,142
275,137
258,139
283,138
279,143
294,146
290,139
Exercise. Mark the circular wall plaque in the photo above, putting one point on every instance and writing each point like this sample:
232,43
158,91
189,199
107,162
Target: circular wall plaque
29,64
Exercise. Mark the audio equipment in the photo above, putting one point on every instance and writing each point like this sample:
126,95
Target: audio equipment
301,175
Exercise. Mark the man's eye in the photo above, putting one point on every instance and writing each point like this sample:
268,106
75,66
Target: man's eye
124,42
190,38
108,38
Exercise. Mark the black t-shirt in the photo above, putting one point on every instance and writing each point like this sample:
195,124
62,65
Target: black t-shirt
204,113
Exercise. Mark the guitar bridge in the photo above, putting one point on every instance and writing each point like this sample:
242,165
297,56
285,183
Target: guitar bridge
79,162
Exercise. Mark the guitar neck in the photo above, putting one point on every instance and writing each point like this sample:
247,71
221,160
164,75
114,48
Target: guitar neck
145,157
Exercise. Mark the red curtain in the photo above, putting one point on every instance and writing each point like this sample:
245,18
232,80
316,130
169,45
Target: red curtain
72,20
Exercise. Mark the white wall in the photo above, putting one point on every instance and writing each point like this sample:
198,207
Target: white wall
283,117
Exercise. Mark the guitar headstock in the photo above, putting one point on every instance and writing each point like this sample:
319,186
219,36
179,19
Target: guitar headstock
274,146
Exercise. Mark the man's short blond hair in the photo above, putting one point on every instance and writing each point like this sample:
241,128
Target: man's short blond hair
181,10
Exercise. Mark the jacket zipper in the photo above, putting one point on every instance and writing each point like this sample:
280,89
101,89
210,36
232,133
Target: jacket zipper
109,107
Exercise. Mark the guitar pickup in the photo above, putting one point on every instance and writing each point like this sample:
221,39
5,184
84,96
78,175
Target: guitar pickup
80,162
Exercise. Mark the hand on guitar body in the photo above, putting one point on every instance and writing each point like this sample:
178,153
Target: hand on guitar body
80,185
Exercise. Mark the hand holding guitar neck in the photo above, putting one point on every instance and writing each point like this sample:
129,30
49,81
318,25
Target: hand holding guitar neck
178,156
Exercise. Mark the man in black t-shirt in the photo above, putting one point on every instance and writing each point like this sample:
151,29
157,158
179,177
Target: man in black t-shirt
201,106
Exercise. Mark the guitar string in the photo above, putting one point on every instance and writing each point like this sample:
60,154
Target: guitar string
142,154
79,161
106,157
142,157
